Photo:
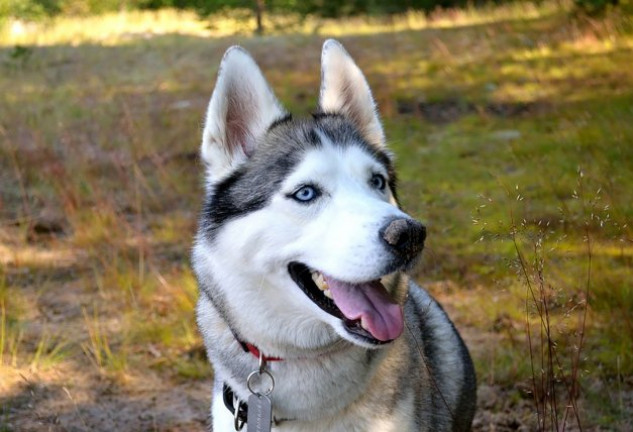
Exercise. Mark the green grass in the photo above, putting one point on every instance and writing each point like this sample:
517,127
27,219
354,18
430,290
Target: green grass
512,132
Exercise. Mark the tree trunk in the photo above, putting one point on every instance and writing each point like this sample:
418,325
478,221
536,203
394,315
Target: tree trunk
259,11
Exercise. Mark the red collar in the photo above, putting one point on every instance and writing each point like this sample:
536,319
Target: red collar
248,347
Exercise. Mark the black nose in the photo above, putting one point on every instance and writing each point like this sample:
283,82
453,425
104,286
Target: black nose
404,237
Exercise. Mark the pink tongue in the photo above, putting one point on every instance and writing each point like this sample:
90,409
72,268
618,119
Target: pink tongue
370,303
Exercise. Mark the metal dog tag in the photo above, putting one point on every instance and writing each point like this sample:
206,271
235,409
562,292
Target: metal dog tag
260,414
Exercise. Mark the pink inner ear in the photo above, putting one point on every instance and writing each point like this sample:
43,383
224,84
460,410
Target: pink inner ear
238,132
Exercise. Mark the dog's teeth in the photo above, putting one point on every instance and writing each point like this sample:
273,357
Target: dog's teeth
362,324
328,294
319,281
323,284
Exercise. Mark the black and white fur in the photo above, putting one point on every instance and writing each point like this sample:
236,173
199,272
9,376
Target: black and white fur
259,163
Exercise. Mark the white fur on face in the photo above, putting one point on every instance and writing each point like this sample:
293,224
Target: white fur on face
337,234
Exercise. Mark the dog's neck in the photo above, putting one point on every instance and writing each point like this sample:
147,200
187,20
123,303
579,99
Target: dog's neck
219,303
249,347
256,352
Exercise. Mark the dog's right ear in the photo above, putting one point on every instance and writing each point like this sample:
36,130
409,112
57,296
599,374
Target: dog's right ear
344,90
240,111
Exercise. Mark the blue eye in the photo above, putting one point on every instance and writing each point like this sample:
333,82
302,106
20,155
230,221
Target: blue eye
305,194
378,182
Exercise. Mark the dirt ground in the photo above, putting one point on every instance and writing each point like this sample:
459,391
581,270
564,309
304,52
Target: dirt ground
75,401
73,396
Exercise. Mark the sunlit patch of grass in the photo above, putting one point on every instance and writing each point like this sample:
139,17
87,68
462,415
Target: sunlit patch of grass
110,28
27,255
11,334
3,330
100,351
169,313
165,325
7,339
126,26
440,19
170,229
49,351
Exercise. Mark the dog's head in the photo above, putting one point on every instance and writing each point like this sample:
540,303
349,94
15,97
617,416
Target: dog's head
301,238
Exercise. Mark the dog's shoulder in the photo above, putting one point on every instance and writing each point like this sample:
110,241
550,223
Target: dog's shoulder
434,339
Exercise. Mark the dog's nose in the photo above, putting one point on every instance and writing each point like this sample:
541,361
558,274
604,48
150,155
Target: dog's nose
404,237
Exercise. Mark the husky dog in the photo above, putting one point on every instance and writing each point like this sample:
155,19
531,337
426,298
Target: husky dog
300,258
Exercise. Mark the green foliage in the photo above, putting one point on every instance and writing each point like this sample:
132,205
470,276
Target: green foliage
595,6
326,8
38,9
29,9
86,7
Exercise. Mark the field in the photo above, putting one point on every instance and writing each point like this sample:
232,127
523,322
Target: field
513,133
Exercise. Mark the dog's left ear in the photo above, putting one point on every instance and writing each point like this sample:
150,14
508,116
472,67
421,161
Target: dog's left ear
240,111
344,90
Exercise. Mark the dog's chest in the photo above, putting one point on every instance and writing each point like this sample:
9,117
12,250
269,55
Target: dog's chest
362,417
342,397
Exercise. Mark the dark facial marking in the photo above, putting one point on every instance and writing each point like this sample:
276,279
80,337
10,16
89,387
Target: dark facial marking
251,186
285,119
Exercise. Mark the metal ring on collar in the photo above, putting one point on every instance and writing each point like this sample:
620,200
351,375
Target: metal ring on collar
250,383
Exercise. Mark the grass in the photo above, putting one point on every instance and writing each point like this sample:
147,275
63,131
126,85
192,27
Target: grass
48,352
512,135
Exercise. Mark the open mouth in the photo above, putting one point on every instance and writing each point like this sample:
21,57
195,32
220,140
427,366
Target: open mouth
366,309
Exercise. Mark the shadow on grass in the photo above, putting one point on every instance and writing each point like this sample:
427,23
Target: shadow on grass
56,407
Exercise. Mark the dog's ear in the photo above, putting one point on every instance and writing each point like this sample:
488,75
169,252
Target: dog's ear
344,90
240,111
